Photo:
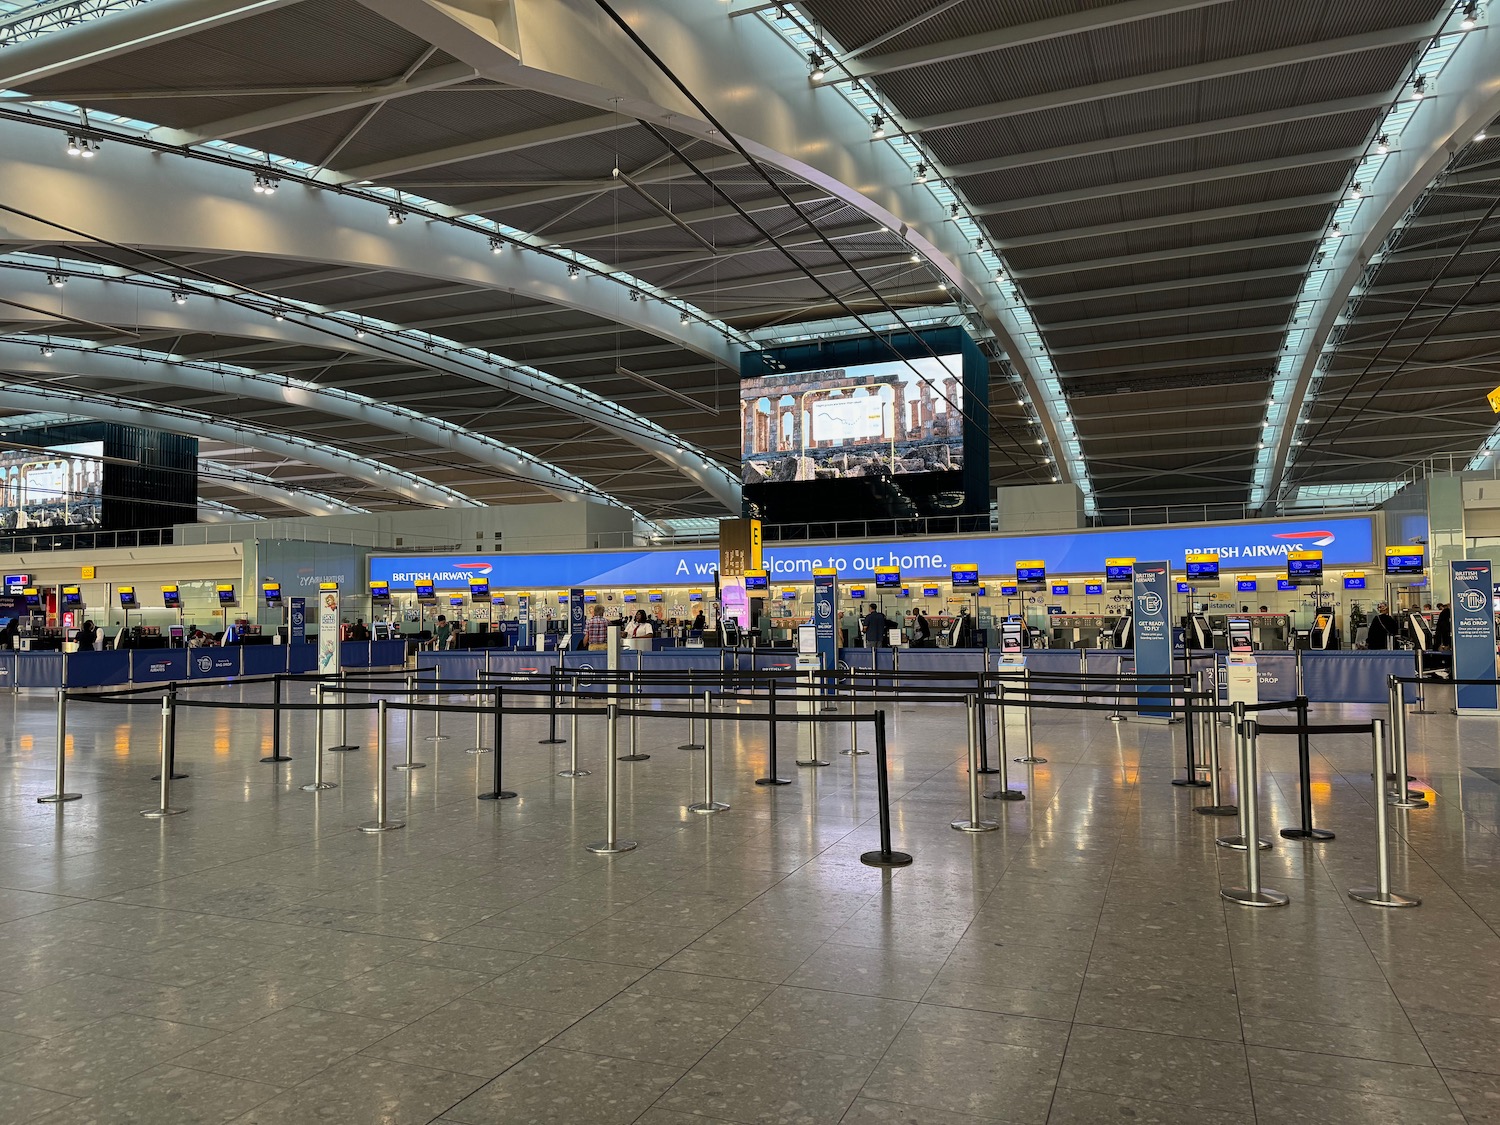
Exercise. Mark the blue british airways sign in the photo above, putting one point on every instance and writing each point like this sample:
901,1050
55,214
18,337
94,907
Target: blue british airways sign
1344,541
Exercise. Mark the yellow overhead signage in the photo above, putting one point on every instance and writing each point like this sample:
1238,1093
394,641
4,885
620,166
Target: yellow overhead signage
1303,555
88,573
1204,557
1494,397
1403,551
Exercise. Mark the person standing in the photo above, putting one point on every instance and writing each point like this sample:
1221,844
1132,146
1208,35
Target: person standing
596,631
921,630
877,629
444,631
638,632
1382,628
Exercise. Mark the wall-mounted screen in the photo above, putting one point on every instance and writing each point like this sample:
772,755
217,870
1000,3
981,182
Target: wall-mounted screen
1245,585
225,591
695,595
1304,568
631,596
479,591
1283,584
1059,589
930,591
1404,561
1354,582
127,597
455,602
271,591
904,592
380,592
1119,572
171,597
856,591
71,596
1201,568
964,577
1093,589
755,580
58,486
654,596
1032,573
1184,588
789,595
1009,591
423,590
887,578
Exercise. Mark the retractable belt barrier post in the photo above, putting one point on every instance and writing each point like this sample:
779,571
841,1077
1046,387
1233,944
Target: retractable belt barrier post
479,747
168,723
854,751
573,770
553,675
1399,795
499,792
60,792
437,734
1237,842
810,705
1029,758
1421,707
1189,739
172,738
974,823
1216,806
708,805
984,723
382,821
317,782
1005,792
635,755
1304,780
344,745
611,844
886,856
692,743
771,777
1252,893
411,699
276,755
1381,893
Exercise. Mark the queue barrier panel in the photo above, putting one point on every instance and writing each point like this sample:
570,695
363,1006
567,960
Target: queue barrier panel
153,666
38,670
213,663
98,669
7,670
262,660
301,658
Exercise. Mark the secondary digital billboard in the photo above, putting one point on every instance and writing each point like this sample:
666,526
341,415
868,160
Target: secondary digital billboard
60,486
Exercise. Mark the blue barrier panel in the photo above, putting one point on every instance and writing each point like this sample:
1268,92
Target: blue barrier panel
157,666
39,670
213,663
387,654
302,658
965,663
1354,677
7,670
452,665
98,669
262,660
354,654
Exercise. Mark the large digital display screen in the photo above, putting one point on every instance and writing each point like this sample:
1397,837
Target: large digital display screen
755,581
1404,562
888,579
867,420
1202,567
59,486
1119,572
1304,571
1031,575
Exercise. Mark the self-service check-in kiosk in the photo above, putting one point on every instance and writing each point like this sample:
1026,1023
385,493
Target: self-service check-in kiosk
1242,676
1012,642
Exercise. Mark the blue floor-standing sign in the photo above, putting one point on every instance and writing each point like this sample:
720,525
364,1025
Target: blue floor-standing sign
1474,635
825,616
576,624
1153,632
298,618
523,621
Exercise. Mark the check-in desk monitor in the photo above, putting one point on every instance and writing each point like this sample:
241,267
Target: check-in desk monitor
1124,632
1197,631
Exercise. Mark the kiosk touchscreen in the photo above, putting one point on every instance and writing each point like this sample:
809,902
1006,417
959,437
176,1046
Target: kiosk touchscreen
1323,635
1242,676
1012,643
1199,635
1124,633
176,635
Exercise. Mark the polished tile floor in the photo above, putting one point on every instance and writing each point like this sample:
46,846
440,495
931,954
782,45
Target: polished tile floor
257,960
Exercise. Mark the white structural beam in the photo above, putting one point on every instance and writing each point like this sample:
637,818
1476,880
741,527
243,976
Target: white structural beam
572,49
192,423
1169,219
1038,31
492,146
1178,76
119,33
277,492
698,215
216,511
116,302
144,200
318,105
1469,100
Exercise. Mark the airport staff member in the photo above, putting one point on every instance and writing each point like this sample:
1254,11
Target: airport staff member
1383,627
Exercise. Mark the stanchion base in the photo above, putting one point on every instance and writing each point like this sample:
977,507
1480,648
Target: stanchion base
604,847
315,786
975,825
828,709
1316,835
1217,810
855,754
159,814
632,757
1237,843
1373,896
341,749
575,773
1190,783
550,741
58,798
277,758
175,777
377,826
410,766
772,781
437,738
1029,760
814,762
703,808
1246,897
1117,718
988,769
502,795
691,746
1005,795
885,859
477,750
1415,799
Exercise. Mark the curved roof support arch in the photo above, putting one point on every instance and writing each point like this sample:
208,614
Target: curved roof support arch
1466,100
155,416
115,297
262,487
571,49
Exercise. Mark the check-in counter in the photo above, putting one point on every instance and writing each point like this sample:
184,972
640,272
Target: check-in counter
1080,630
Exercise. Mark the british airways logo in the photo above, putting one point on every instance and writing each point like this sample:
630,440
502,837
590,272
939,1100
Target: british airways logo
475,568
1318,538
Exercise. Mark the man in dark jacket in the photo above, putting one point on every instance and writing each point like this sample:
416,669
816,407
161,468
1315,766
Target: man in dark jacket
877,629
1382,629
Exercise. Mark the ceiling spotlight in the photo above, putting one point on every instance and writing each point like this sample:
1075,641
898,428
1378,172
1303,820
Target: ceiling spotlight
81,144
914,258
56,280
877,126
73,149
815,66
1419,88
359,333
1357,191
684,318
1337,231
179,297
921,173
47,351
497,244
1471,15
1054,478
265,185
943,285
572,273
635,296
1260,445
1383,145
953,210
1481,135
395,216
1039,441
280,315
